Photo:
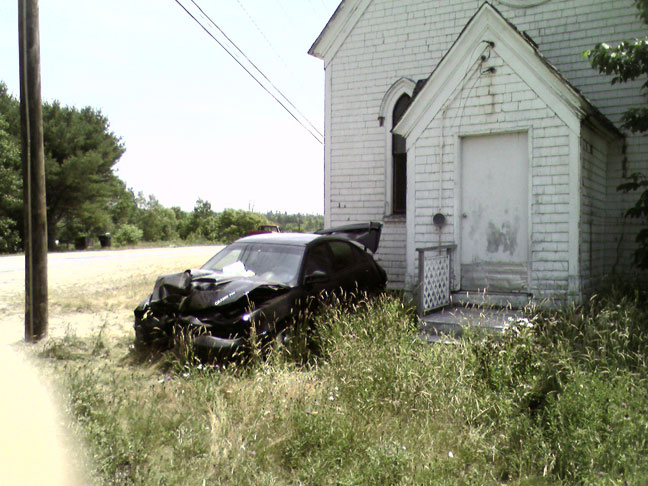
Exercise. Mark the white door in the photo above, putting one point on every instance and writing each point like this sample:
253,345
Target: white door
494,213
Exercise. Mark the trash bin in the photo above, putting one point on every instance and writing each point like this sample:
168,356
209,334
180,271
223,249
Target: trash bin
82,242
105,240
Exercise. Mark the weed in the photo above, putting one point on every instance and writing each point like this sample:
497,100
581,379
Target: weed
69,348
357,398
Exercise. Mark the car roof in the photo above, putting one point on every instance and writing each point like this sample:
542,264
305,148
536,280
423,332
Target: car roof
295,239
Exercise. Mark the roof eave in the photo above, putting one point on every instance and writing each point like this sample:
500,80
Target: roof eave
338,28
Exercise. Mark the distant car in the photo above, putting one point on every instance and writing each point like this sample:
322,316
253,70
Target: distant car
259,283
265,228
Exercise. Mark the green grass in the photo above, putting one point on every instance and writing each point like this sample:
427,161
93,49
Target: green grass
562,400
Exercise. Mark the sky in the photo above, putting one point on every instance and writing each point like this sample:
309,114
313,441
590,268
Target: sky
194,124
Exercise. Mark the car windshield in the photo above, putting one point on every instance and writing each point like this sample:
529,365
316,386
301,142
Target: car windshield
274,263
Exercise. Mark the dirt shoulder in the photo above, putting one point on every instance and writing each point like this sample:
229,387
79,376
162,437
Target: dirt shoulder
89,292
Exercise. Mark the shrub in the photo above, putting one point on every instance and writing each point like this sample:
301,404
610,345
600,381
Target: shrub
128,234
9,237
235,223
159,224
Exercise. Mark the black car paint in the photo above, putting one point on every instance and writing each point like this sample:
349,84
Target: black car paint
222,312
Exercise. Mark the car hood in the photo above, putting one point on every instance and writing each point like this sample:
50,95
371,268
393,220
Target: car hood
199,289
367,234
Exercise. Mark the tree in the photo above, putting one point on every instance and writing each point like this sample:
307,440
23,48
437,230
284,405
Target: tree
10,191
123,206
80,152
300,223
182,220
157,222
627,62
202,223
235,223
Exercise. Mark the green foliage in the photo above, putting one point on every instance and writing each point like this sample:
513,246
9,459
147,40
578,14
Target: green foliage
553,389
201,224
10,241
80,152
235,223
123,206
635,182
10,190
128,234
628,61
157,222
296,223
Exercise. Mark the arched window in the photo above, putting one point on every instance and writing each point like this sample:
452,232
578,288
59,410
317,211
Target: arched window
393,106
399,159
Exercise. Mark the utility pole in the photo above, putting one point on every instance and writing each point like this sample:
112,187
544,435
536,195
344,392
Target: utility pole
33,164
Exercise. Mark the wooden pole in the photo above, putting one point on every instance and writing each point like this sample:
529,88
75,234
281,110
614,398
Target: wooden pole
33,160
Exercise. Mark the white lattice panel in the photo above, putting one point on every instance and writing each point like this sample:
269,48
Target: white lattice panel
436,281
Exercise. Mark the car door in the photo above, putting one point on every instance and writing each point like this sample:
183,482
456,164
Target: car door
349,272
335,266
317,271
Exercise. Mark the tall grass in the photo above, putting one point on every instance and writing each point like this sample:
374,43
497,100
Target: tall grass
560,399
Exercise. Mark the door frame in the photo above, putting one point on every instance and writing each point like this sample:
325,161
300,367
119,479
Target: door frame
528,130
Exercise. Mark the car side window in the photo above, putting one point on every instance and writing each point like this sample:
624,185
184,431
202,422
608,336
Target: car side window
318,258
361,256
343,255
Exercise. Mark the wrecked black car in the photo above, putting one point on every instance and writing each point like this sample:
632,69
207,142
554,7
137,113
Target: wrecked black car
258,286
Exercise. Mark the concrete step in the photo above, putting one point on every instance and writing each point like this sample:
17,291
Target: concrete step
491,299
452,321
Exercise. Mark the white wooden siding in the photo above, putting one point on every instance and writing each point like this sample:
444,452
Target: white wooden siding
513,107
407,39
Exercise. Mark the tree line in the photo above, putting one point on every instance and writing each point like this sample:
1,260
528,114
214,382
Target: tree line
85,198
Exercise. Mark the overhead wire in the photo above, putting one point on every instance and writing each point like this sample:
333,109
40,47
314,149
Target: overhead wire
269,43
258,28
254,65
315,133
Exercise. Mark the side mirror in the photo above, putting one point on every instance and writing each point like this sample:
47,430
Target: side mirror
318,276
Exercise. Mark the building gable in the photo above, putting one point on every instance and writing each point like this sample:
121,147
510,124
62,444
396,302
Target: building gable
376,51
489,28
338,28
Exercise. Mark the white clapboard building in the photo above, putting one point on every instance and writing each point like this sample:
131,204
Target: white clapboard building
481,137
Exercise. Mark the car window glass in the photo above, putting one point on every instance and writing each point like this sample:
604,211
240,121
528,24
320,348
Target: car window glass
343,255
273,262
230,257
276,263
225,257
318,258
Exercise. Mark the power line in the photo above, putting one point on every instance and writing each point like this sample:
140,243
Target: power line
256,67
265,38
312,129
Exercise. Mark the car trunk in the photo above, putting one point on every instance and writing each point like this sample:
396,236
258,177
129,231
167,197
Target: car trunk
366,234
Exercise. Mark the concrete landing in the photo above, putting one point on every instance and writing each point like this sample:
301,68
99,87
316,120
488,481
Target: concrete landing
451,322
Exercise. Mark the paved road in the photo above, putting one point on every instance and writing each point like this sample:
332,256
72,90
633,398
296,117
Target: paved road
78,265
87,274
